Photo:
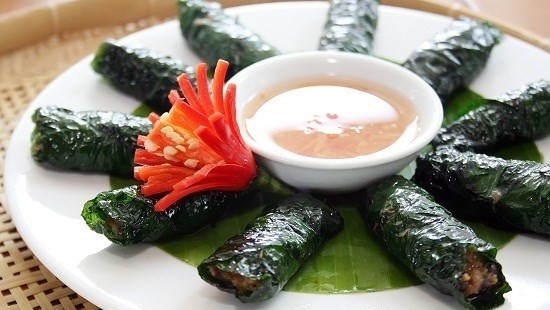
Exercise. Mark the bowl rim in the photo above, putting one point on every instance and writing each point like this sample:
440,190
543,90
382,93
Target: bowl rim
375,159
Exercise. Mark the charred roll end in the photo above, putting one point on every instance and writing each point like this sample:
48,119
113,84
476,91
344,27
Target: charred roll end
249,279
234,282
482,281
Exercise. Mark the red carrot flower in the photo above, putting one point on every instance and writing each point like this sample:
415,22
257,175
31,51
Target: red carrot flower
196,146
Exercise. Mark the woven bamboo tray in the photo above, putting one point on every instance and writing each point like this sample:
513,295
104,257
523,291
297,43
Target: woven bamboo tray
48,39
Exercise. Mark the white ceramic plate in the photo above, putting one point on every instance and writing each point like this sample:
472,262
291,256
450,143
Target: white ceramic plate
45,205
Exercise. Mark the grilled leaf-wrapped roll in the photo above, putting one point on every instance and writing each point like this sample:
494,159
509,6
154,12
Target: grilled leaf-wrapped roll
437,248
510,192
455,56
519,115
214,35
350,26
141,73
256,264
126,217
86,141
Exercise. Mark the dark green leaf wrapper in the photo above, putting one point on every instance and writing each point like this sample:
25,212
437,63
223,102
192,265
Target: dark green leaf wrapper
437,248
519,115
455,56
498,191
214,35
140,73
257,263
350,26
86,141
126,217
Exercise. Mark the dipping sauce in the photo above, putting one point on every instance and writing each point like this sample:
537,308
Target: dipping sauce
330,120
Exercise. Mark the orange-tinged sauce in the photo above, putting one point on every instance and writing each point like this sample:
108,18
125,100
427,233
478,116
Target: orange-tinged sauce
331,121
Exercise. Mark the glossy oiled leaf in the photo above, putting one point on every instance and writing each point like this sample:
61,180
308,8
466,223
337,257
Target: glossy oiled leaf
214,35
255,264
440,250
519,115
454,56
350,26
352,261
503,192
94,141
466,100
125,216
140,73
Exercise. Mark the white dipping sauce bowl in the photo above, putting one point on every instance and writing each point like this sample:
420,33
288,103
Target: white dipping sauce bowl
347,174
